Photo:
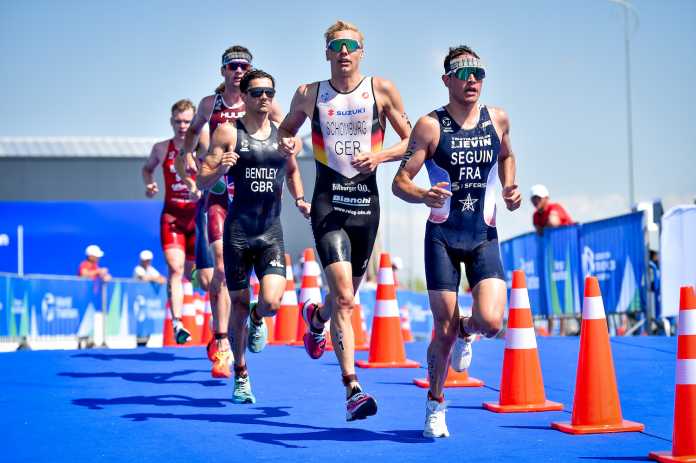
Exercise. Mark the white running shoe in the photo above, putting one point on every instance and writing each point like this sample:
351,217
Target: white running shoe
435,425
462,353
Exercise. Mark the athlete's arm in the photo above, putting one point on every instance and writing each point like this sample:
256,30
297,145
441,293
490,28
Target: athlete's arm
276,114
300,110
220,157
148,170
186,160
506,161
390,104
190,163
421,146
294,179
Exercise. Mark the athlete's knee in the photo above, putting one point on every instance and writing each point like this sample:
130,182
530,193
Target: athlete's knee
176,270
343,301
490,324
445,331
274,305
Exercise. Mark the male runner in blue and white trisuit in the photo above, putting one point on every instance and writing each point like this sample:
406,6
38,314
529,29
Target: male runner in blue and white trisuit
246,151
348,114
465,146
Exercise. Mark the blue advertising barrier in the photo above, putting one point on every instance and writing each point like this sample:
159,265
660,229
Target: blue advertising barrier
523,253
613,250
43,306
560,259
121,228
135,308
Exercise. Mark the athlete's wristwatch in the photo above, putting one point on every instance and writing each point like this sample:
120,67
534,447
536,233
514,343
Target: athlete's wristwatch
298,199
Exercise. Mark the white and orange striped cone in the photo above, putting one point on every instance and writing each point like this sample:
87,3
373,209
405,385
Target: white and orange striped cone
596,405
521,385
454,378
168,327
207,333
199,305
405,324
286,318
358,323
684,432
188,315
309,291
386,343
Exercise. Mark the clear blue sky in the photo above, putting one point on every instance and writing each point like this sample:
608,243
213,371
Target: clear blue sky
557,67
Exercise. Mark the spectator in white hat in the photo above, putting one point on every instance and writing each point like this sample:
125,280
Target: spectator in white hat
145,271
547,214
89,268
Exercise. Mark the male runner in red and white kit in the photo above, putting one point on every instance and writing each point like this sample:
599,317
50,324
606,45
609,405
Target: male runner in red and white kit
348,114
177,223
225,105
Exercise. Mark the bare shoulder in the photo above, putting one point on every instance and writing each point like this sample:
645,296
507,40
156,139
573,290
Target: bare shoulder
383,86
160,148
206,104
225,131
307,92
499,116
428,123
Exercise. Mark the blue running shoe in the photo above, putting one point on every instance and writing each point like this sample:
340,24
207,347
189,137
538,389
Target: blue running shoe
242,391
258,333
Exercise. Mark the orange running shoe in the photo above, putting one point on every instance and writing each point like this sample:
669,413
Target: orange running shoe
221,367
212,349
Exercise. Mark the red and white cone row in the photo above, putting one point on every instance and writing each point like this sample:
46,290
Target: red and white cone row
684,432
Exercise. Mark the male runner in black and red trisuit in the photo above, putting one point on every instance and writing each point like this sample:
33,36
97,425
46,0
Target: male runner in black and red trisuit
348,114
177,223
246,152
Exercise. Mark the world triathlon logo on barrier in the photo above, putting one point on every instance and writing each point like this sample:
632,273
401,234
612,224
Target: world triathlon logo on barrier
147,308
529,269
598,264
57,307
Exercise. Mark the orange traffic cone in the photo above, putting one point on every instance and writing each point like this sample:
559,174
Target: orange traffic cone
309,291
168,328
684,433
386,343
359,327
199,306
188,315
286,318
596,406
521,385
207,333
405,324
454,378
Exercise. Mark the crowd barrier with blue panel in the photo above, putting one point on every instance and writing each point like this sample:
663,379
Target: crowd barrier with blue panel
556,263
45,307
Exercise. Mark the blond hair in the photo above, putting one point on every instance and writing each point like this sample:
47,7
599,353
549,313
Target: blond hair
183,105
339,26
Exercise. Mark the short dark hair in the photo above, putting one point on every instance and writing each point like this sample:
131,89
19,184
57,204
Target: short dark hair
254,74
456,51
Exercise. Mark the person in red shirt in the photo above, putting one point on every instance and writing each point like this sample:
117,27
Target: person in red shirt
547,214
89,268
